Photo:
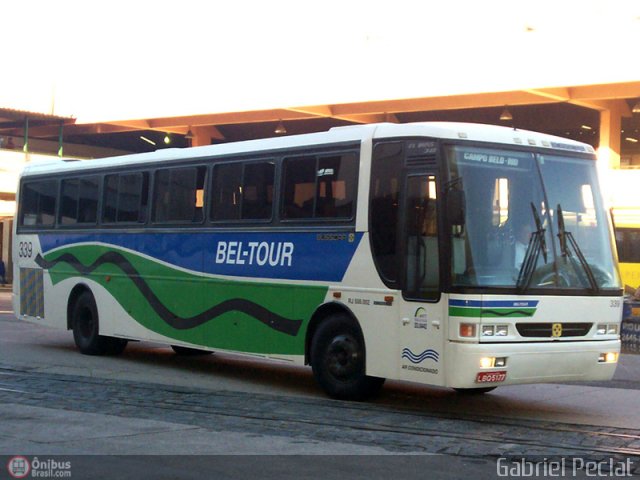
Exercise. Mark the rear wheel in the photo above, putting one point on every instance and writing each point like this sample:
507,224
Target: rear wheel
189,352
86,329
338,360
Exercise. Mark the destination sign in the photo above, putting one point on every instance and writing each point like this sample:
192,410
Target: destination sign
494,158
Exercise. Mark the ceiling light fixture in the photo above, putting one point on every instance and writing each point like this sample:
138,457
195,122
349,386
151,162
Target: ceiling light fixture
631,139
586,127
167,139
636,108
280,130
145,139
506,115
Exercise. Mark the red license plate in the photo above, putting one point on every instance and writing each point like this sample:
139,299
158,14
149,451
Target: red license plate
491,377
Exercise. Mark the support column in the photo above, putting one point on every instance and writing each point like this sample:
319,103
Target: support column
204,135
60,140
610,128
25,146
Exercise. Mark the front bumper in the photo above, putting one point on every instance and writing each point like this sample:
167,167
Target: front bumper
538,362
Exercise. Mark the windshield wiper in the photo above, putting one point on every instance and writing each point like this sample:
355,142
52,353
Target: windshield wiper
537,245
540,232
566,241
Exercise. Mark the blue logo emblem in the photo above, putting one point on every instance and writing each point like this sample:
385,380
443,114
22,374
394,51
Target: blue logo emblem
419,358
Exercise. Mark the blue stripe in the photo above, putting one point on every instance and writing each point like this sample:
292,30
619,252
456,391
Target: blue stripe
494,303
311,256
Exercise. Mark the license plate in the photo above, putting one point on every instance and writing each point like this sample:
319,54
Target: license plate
491,377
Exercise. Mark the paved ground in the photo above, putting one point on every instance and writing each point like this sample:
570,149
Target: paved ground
49,415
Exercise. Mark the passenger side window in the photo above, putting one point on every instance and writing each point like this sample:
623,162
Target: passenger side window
179,195
226,192
422,256
242,191
126,198
318,187
79,201
38,203
386,169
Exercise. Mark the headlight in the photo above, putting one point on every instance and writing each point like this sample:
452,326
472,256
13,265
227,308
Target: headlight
609,357
607,329
487,362
500,362
488,330
502,330
490,362
495,330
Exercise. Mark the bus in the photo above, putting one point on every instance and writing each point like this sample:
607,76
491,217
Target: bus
449,254
627,230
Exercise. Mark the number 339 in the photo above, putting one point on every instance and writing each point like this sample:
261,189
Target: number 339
25,249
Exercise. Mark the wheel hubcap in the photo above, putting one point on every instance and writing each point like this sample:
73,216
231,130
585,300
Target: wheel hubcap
343,357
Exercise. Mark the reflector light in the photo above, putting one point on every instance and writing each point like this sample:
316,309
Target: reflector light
467,330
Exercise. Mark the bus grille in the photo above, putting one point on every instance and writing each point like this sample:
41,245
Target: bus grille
545,329
425,161
31,292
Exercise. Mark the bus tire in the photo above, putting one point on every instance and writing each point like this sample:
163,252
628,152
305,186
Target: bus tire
115,346
86,329
474,391
189,352
338,360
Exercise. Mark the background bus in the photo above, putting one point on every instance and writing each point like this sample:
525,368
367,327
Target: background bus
627,230
467,256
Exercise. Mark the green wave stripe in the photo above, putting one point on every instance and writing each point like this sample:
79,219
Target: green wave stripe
186,294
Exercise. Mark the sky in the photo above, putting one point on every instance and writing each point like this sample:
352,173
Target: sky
138,59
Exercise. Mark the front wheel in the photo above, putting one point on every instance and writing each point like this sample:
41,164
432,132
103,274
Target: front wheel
86,329
338,360
474,391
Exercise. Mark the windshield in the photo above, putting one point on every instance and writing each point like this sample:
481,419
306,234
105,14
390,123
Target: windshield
530,221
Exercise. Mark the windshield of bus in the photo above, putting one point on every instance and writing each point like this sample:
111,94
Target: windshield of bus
529,221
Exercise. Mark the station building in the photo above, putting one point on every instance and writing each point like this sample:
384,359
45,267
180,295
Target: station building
604,115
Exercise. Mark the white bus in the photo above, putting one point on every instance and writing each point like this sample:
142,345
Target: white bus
459,255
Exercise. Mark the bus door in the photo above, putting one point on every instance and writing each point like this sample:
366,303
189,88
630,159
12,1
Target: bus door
422,313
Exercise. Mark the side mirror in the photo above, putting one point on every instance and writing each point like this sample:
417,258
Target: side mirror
456,207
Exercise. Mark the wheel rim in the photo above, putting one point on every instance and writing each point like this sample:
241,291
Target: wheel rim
86,321
343,357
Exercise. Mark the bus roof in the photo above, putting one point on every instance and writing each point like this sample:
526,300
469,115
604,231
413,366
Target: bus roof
626,217
445,130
